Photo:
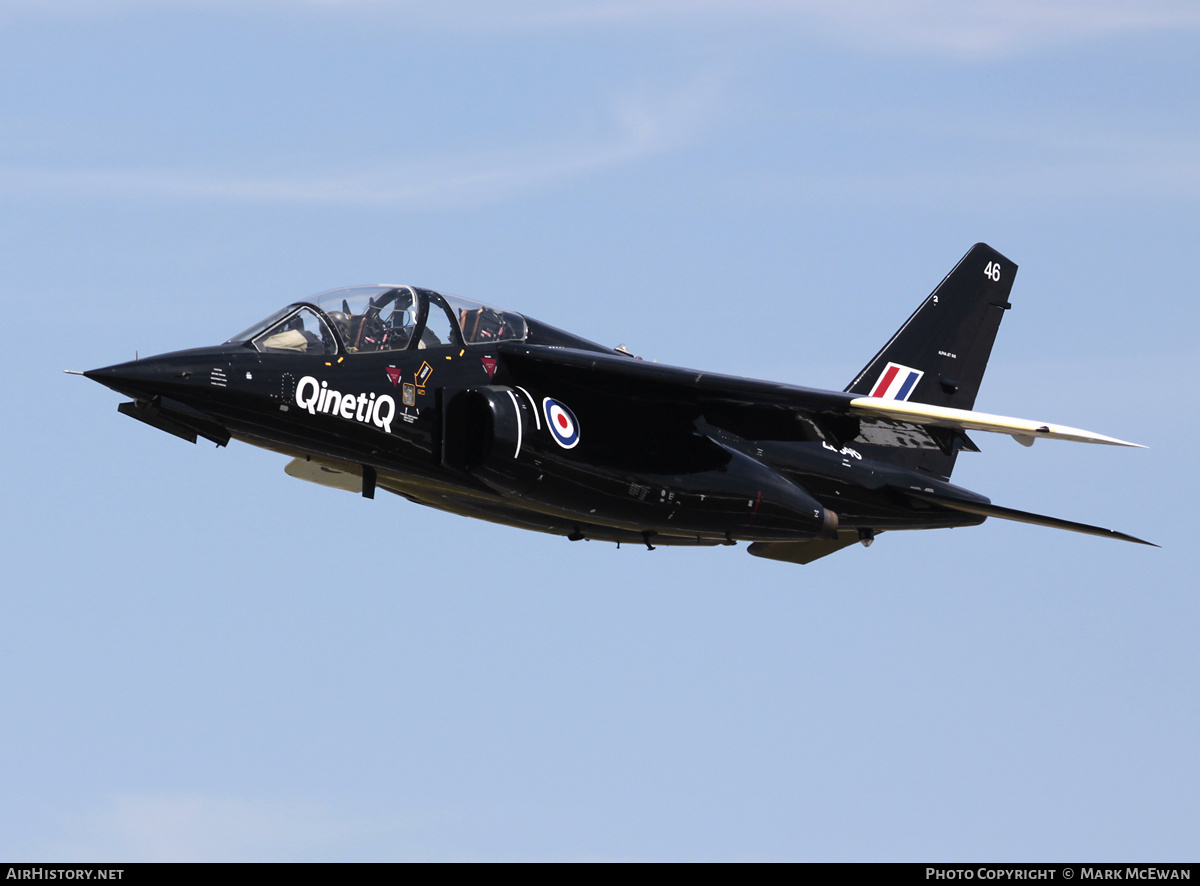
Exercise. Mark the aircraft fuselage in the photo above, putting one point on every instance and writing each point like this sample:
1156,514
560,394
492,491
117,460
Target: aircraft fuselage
488,413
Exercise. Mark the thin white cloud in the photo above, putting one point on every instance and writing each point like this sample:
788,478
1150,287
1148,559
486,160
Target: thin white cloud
996,27
962,28
195,827
1028,166
639,126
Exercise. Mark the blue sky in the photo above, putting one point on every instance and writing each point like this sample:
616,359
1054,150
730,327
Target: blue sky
203,658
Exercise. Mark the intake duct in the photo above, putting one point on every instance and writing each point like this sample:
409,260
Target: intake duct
485,429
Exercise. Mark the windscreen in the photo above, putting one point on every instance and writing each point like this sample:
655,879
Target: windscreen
300,332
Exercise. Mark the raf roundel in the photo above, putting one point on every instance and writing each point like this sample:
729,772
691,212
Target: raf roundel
562,423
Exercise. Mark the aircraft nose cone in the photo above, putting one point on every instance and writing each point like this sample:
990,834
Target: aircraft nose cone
135,378
107,373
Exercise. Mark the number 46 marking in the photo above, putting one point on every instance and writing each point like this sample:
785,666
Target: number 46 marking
992,271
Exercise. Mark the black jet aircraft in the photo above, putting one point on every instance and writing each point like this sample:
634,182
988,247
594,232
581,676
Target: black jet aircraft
488,413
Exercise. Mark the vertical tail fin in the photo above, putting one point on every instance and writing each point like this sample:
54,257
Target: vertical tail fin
939,355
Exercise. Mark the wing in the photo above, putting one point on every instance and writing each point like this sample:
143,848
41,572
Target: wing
990,510
761,410
1023,430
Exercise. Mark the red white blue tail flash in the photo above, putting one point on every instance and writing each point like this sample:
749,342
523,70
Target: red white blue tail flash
896,382
562,423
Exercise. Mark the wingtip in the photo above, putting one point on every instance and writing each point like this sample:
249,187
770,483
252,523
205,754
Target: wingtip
1113,441
1140,541
1081,436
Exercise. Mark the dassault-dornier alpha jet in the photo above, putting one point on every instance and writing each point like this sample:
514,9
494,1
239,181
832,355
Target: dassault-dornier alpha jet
488,413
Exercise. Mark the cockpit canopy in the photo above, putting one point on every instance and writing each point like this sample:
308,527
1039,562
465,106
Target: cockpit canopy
365,319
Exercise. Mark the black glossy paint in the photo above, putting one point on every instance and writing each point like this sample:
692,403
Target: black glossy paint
663,455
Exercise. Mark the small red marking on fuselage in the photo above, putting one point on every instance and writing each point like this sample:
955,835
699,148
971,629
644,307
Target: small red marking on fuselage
757,502
489,365
393,375
562,421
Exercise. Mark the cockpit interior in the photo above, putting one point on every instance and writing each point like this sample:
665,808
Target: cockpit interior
367,319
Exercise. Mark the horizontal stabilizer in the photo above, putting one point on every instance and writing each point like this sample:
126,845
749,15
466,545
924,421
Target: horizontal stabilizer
802,551
1023,429
990,510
